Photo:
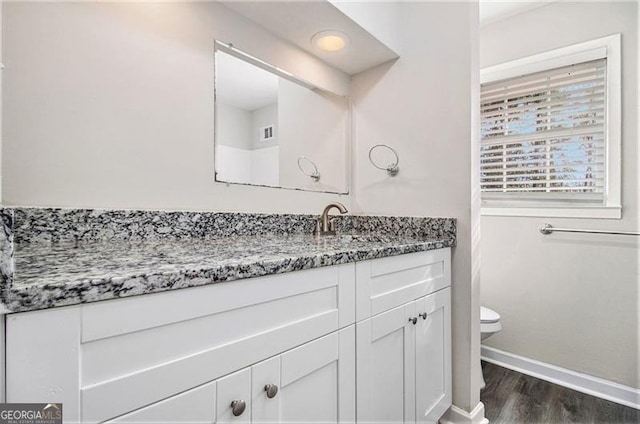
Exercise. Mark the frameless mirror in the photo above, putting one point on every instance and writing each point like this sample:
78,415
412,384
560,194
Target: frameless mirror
274,129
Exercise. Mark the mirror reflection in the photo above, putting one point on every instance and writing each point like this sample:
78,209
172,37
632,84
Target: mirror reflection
273,129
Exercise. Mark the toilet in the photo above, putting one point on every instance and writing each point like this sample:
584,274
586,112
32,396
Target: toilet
489,324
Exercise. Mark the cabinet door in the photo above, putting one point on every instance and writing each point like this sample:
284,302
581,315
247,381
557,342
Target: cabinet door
386,367
233,390
266,406
433,356
318,381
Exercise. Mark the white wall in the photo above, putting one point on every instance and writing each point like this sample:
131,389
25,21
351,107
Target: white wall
265,156
421,106
111,105
380,18
260,118
1,79
312,124
569,300
265,165
234,164
237,129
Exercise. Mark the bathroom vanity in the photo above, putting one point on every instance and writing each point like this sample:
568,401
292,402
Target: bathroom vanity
268,328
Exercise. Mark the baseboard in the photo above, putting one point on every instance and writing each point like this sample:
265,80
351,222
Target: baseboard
605,389
457,415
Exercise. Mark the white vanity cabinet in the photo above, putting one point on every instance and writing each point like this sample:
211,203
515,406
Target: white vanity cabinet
206,354
403,362
404,352
312,383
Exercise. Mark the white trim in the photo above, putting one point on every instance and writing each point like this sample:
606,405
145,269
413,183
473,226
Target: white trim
581,52
608,47
541,62
457,415
613,179
599,387
575,212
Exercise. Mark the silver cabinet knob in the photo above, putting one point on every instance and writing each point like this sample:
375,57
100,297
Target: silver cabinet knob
272,390
423,315
238,407
413,320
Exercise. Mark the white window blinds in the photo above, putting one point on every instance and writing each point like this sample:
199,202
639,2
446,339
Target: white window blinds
545,132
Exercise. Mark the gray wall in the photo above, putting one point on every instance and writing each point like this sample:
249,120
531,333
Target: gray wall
421,106
111,105
569,300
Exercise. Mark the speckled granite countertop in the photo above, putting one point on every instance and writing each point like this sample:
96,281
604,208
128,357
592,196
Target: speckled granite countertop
45,274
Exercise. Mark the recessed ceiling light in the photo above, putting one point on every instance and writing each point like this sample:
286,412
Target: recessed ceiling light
330,41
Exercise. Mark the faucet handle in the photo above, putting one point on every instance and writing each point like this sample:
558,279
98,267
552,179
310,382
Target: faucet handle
318,227
332,224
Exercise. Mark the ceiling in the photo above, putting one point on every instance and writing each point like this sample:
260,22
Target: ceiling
243,85
298,21
496,10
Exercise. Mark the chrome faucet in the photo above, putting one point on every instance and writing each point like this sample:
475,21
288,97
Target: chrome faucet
326,226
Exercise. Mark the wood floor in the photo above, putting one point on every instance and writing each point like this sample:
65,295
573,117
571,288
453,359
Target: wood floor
514,398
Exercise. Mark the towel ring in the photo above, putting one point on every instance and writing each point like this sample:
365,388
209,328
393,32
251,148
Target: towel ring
393,168
315,175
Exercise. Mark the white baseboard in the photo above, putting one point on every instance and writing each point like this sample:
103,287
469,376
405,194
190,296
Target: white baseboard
605,389
457,415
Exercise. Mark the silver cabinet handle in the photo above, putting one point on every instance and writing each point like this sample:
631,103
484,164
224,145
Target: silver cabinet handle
423,315
238,407
272,390
413,320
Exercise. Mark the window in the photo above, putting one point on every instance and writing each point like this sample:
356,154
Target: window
550,133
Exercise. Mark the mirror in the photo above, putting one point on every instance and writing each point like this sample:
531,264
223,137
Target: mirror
274,129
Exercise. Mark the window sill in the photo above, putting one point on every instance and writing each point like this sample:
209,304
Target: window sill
601,212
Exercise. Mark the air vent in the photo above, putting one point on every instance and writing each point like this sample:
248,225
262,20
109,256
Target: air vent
266,133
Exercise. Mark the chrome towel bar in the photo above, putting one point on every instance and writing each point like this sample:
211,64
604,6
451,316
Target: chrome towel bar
548,229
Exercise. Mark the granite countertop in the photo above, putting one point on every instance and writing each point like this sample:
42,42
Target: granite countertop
66,274
60,257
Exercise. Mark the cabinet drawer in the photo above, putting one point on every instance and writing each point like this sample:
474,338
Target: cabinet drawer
383,284
193,406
